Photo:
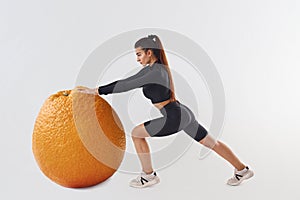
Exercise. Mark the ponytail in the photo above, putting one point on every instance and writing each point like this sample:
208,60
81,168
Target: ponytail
152,42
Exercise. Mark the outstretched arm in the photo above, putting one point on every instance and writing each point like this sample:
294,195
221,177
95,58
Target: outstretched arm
87,90
144,76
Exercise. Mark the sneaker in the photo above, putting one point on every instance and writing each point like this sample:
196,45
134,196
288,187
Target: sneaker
144,180
238,178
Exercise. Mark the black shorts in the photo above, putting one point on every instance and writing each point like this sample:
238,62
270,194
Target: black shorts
176,117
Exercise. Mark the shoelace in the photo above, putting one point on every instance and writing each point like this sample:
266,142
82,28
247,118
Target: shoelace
144,176
138,178
236,176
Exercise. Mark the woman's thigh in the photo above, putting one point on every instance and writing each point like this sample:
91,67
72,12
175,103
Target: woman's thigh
176,117
162,126
190,125
196,131
140,132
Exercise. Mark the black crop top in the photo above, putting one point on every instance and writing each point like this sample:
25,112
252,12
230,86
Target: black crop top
153,79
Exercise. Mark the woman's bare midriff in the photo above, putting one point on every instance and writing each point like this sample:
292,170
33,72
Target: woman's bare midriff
160,105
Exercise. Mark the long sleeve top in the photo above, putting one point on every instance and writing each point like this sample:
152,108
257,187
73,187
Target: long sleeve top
153,79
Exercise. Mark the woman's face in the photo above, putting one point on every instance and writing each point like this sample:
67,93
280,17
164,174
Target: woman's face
142,57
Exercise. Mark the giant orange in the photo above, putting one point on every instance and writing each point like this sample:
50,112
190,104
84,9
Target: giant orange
78,139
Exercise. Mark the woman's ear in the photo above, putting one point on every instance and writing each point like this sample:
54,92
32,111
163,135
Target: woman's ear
149,53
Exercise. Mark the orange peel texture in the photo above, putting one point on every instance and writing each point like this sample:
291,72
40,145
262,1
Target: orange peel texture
78,139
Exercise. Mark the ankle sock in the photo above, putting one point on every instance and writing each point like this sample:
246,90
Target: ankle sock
242,171
152,173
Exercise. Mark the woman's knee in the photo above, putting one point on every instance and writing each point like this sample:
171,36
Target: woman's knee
135,133
139,132
209,142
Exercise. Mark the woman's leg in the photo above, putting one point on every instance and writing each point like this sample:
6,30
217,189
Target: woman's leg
199,133
223,150
139,133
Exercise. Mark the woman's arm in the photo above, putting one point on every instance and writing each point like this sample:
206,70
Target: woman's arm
109,88
143,77
87,90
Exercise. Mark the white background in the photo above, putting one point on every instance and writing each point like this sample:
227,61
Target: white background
254,45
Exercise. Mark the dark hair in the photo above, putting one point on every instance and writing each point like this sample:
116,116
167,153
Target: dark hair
153,43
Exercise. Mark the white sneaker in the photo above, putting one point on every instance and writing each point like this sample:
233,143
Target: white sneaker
144,180
238,178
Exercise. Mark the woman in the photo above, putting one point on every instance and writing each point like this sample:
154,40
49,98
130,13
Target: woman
156,81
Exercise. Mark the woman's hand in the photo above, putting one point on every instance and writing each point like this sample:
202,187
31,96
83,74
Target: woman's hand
86,90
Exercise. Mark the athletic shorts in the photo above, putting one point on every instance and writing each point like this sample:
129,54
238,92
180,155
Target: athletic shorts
176,117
